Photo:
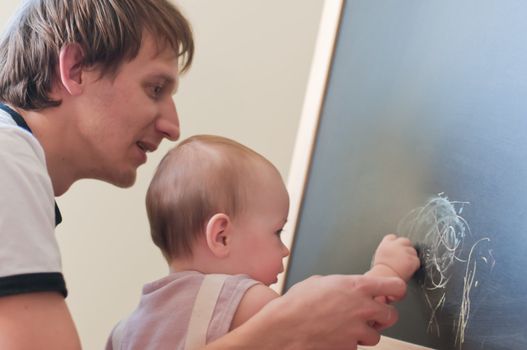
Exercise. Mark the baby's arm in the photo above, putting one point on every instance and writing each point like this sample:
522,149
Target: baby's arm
253,300
395,256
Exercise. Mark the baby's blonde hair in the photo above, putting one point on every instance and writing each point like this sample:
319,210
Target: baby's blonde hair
200,177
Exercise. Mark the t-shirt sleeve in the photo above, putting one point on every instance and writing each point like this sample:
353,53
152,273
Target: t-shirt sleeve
29,254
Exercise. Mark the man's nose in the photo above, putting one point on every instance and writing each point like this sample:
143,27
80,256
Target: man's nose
168,123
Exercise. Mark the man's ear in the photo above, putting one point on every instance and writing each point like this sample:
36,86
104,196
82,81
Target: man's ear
70,68
218,232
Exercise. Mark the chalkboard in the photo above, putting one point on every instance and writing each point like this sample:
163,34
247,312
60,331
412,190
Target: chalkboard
425,117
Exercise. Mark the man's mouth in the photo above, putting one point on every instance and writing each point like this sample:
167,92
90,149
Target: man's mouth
146,147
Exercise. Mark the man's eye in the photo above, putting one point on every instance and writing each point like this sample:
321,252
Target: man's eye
157,90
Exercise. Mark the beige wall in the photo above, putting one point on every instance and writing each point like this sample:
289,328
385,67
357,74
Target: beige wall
248,83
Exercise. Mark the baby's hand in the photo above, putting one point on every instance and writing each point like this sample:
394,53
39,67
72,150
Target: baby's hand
396,254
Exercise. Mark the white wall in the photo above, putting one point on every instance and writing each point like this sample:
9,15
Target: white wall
247,82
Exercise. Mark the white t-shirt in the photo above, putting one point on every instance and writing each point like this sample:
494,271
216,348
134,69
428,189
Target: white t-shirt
29,254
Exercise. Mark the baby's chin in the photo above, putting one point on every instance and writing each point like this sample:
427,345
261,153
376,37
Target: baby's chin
270,282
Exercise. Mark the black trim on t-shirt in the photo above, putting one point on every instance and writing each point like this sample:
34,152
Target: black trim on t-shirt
16,117
22,123
33,282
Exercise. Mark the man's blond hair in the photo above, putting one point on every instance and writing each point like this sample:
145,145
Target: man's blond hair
108,31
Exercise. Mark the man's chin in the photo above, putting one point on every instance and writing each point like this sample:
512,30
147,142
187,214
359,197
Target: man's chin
123,180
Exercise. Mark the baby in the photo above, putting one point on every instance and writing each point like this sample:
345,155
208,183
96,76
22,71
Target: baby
216,210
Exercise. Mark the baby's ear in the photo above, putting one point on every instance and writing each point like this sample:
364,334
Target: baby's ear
217,233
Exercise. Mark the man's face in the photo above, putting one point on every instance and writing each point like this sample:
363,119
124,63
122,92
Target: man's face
121,118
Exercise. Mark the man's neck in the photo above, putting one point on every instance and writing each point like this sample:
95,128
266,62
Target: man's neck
52,138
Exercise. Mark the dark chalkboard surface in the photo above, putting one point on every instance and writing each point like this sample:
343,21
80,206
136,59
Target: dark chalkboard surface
426,109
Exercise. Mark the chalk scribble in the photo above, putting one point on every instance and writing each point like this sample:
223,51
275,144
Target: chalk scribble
444,239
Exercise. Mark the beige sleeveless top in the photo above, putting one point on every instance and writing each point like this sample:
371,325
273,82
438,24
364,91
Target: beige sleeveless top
161,321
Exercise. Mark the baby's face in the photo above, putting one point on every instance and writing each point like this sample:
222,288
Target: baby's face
259,250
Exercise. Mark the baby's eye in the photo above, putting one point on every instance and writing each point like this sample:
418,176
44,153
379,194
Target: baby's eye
279,232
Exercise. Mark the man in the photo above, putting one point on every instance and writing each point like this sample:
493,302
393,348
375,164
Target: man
87,88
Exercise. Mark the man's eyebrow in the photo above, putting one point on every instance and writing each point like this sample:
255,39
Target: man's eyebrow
168,79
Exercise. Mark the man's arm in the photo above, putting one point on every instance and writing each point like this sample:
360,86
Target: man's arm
331,312
36,321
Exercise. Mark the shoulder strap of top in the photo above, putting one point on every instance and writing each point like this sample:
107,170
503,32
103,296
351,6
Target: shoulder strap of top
202,311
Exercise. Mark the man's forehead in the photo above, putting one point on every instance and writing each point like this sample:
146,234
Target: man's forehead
157,46
154,60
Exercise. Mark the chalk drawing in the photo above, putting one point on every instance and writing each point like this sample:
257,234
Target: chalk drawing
445,239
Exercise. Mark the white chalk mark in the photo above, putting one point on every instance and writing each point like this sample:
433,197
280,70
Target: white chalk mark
468,280
445,234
